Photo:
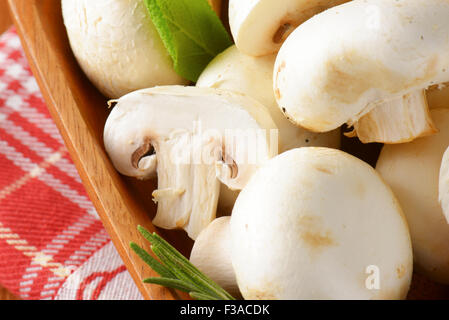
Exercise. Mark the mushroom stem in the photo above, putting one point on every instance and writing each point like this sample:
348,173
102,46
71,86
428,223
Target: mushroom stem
398,120
181,197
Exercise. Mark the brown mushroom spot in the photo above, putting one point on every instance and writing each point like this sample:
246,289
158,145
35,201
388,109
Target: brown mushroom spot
359,188
277,92
324,169
285,28
401,271
180,223
145,149
266,290
313,234
228,160
254,294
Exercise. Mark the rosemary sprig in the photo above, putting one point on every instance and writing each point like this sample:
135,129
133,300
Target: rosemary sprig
176,271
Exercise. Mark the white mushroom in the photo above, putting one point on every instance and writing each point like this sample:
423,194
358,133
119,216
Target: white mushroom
413,172
366,63
117,45
317,223
211,253
443,185
195,137
233,70
259,27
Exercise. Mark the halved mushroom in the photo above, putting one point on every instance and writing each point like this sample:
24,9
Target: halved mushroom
117,45
413,172
195,137
318,223
377,55
211,253
259,27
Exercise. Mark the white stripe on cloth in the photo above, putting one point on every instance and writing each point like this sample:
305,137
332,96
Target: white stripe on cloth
120,287
39,148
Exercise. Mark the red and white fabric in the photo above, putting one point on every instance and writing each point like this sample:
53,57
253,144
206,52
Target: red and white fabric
52,242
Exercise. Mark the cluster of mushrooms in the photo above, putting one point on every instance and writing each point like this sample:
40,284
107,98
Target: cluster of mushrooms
306,220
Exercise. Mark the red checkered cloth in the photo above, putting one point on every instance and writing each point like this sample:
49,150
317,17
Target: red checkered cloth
52,242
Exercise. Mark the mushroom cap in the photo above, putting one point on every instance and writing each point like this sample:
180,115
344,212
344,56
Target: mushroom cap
117,45
260,26
311,222
412,170
236,71
374,50
211,253
160,113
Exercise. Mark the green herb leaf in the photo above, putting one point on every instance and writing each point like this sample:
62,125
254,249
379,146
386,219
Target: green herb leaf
191,31
177,271
153,263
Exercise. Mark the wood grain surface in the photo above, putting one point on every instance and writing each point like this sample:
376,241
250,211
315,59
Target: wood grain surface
80,111
5,20
6,295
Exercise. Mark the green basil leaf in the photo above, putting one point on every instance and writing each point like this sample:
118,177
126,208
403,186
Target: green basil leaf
191,31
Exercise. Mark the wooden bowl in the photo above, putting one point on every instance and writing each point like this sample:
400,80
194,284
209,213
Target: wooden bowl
80,112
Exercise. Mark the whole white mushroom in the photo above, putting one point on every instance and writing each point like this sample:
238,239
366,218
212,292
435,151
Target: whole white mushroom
117,45
366,63
313,223
413,172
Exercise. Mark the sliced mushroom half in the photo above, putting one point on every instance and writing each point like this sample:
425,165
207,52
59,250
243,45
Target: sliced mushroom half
193,138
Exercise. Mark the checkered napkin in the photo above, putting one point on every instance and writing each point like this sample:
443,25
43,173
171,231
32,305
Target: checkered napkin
52,242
